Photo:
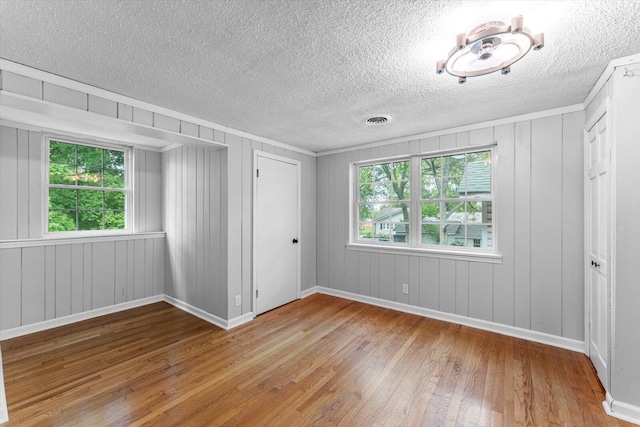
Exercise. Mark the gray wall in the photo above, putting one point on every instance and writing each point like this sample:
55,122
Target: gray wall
208,204
194,184
49,281
539,284
21,192
44,280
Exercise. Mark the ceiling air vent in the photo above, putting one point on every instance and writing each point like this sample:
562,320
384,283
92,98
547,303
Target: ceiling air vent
376,120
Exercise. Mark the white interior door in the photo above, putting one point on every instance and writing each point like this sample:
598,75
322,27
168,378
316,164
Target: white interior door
276,232
598,204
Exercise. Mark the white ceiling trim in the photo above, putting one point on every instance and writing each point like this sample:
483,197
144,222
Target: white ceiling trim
523,117
34,73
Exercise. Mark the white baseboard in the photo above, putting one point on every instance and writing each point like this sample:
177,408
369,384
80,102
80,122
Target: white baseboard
198,312
621,410
73,318
512,331
307,292
4,412
240,320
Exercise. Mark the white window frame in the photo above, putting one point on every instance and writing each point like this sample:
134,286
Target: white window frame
415,225
128,186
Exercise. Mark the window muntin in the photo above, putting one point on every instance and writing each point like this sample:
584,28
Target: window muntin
384,201
451,196
457,200
87,187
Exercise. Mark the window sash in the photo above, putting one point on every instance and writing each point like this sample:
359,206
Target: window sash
125,189
416,200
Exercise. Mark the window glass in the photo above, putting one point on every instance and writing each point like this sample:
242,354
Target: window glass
454,201
87,188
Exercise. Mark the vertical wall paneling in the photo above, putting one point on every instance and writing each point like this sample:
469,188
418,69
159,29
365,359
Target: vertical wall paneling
205,226
120,269
10,292
158,267
429,144
375,275
414,280
23,184
87,282
351,257
103,255
139,268
50,283
169,219
522,226
77,278
139,182
401,278
131,270
429,283
192,202
342,216
482,136
504,273
217,265
152,192
537,284
35,185
572,225
447,141
462,139
191,281
148,267
9,187
333,213
364,273
234,220
447,286
481,290
322,224
386,276
125,112
247,224
546,225
462,288
33,286
65,96
63,280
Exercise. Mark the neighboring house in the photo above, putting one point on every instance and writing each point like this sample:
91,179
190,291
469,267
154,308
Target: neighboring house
387,227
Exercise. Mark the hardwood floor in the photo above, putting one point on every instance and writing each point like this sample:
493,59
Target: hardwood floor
318,361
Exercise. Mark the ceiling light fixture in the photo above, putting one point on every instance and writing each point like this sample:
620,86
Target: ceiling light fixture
489,47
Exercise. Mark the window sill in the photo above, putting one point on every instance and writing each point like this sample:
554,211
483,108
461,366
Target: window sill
66,240
493,258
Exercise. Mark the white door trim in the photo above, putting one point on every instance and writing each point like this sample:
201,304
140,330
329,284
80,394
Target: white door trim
298,164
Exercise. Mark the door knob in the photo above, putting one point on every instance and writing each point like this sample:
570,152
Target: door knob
295,240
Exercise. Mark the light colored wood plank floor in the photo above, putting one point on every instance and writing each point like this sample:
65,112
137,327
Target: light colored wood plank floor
318,361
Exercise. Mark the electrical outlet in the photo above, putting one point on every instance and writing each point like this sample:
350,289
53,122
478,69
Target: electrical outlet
238,300
405,288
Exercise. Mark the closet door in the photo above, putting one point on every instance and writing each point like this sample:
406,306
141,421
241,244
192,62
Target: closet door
598,205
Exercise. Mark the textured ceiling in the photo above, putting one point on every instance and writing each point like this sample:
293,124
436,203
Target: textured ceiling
305,72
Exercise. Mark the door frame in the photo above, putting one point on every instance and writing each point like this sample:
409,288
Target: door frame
298,165
605,108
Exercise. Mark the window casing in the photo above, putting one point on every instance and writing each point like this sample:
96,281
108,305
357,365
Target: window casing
87,189
427,202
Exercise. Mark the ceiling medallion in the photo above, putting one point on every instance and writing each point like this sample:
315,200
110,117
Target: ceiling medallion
489,47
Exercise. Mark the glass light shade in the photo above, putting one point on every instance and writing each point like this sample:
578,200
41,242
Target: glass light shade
490,47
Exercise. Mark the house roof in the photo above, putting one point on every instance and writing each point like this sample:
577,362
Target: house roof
478,178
